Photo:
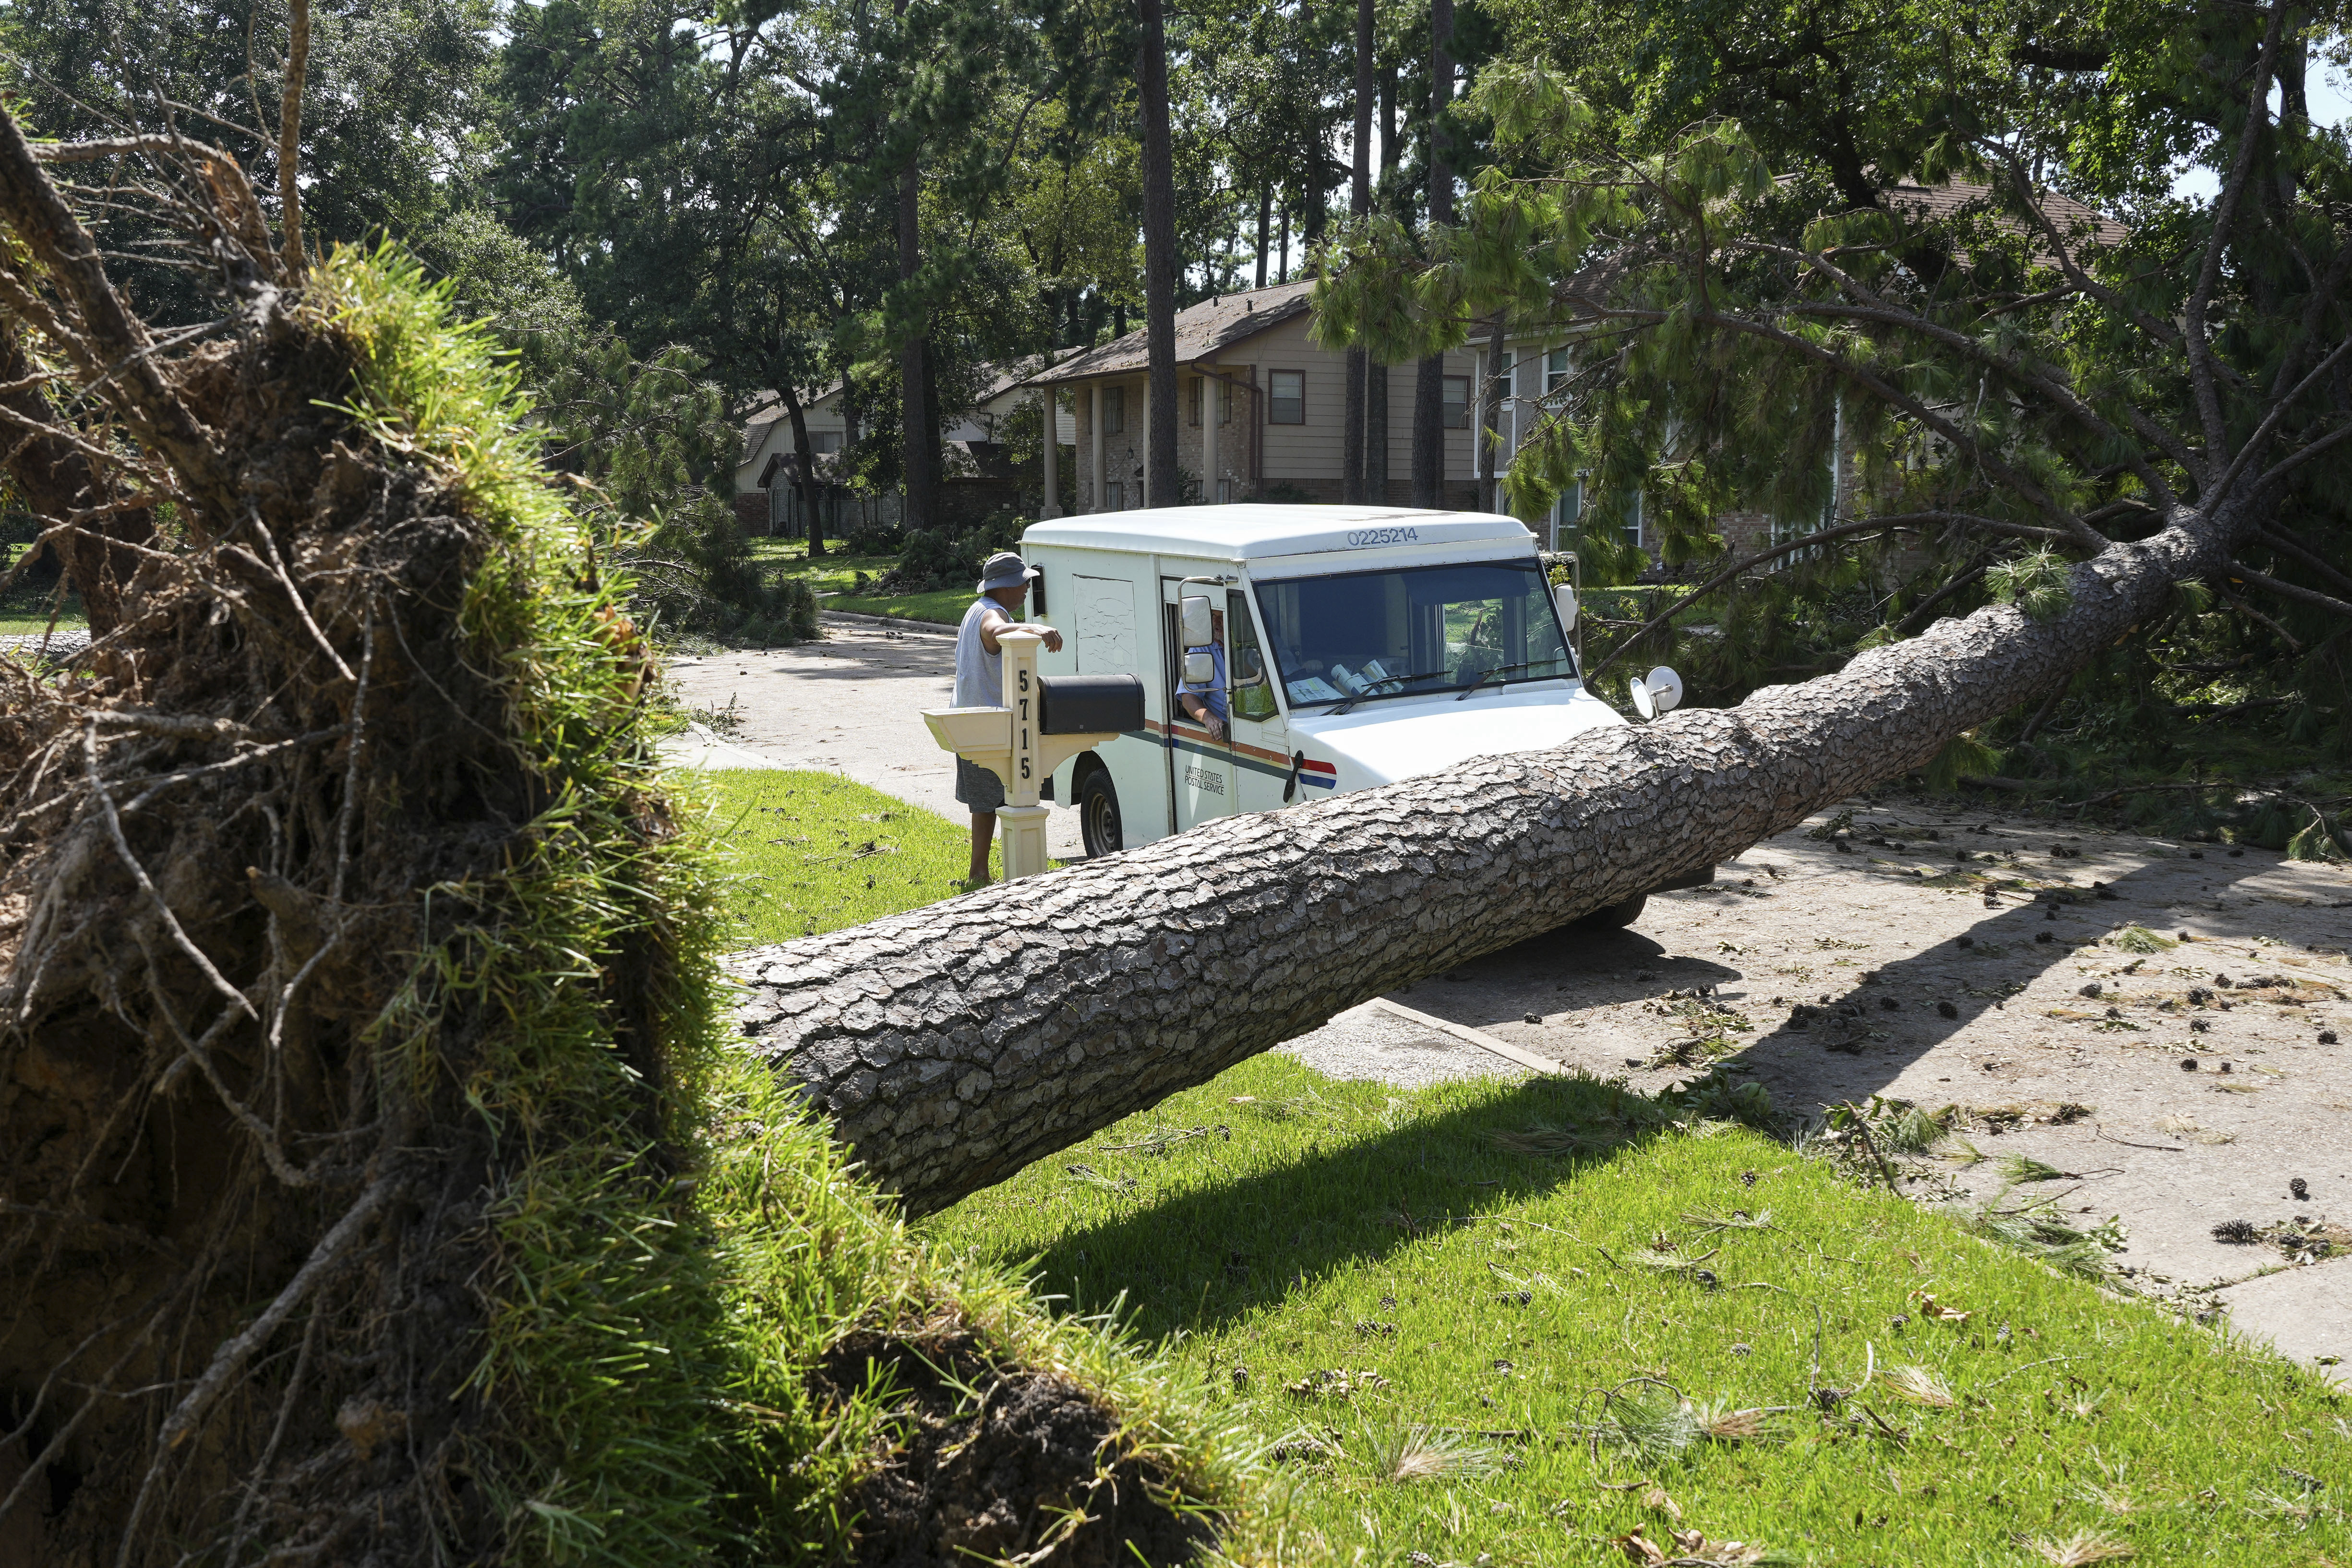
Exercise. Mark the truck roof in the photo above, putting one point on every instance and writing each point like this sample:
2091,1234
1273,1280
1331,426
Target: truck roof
1256,531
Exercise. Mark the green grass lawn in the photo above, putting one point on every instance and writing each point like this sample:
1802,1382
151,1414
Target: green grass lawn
837,575
943,607
816,853
1462,1349
25,606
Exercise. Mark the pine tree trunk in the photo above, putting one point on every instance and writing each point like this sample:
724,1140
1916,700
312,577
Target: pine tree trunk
1264,224
1429,381
1490,417
955,1044
1352,484
918,443
804,466
1159,259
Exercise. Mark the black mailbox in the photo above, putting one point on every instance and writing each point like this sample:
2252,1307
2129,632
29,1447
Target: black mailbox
1088,705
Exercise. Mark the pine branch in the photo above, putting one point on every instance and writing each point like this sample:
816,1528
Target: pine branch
2289,591
2201,373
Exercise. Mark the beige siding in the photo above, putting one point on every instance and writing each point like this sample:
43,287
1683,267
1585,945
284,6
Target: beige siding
1312,451
1307,455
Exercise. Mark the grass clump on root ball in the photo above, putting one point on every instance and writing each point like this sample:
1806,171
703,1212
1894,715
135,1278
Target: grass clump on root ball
384,1185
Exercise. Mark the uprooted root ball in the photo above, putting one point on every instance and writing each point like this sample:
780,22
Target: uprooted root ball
988,1463
338,910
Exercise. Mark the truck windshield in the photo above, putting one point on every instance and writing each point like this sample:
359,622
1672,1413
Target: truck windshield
1371,635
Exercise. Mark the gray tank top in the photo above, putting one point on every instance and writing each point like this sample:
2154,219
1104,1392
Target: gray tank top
980,675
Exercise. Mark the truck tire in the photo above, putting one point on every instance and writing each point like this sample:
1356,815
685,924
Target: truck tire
1616,916
1098,813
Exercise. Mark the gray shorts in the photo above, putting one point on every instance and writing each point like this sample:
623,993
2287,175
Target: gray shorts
978,788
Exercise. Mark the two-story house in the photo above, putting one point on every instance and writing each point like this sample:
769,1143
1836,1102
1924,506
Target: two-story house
1262,410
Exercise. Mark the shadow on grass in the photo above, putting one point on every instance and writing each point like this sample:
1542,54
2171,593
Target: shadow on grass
1204,1256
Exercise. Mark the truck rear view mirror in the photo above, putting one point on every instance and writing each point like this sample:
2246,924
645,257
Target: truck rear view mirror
1200,666
1564,596
1195,622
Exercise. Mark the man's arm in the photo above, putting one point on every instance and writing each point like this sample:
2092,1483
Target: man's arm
996,622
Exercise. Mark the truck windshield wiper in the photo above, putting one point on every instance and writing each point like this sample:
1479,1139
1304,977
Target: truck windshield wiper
1356,696
1472,690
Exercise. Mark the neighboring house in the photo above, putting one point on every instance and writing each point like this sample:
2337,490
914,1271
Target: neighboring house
978,477
1279,401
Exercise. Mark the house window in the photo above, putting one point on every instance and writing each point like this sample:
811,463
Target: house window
1456,402
1285,401
1564,513
1555,371
1224,402
1114,406
1113,497
1193,402
824,441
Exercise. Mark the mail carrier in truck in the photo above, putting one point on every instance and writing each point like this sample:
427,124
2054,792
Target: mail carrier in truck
1346,646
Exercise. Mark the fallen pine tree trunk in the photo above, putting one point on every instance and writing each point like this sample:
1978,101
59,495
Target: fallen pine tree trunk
954,1044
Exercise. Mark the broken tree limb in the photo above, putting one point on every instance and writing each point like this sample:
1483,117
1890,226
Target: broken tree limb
952,1045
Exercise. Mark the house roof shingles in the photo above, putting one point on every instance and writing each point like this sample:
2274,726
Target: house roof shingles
1202,331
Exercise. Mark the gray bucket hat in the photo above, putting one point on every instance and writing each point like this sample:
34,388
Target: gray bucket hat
1004,569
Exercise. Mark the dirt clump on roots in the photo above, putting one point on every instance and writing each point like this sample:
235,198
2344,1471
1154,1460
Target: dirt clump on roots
982,1463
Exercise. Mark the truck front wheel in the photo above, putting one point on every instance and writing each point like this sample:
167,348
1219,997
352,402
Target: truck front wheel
1616,916
1098,813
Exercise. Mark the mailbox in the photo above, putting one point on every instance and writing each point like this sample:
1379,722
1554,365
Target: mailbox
1089,704
1049,719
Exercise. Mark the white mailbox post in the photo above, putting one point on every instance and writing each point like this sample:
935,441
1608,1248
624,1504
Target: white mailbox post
1011,743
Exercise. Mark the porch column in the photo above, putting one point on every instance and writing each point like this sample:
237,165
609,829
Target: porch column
1052,447
1210,387
1149,498
1094,395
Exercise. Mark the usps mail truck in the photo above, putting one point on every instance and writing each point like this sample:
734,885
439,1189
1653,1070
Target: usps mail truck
1351,646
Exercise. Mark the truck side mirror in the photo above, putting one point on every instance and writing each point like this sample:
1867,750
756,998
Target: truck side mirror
1251,666
1200,666
1194,623
1564,596
1659,692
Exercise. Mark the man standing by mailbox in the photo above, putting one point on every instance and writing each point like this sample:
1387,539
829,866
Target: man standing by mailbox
979,683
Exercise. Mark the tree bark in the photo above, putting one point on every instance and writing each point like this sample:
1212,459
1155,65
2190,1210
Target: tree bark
955,1044
918,450
1376,374
1158,258
1490,416
1429,381
803,466
1360,206
1265,222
